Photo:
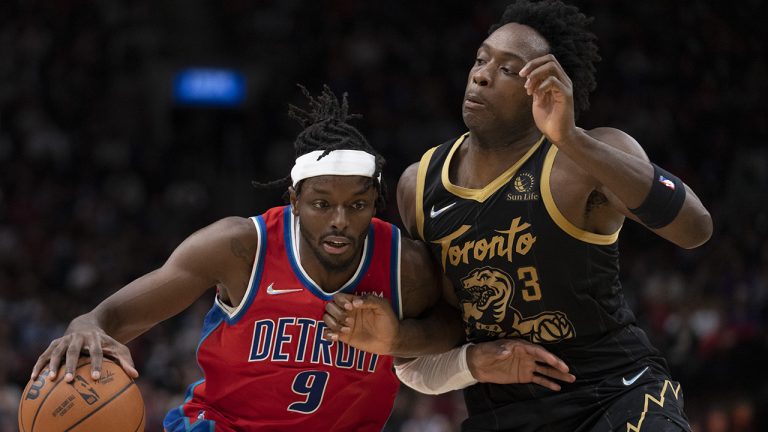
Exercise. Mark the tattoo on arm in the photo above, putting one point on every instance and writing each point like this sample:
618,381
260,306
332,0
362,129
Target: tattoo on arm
242,251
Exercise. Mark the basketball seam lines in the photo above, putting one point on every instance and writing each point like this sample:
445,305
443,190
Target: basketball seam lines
100,407
143,413
42,402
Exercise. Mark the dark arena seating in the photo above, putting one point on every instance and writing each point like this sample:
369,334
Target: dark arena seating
105,167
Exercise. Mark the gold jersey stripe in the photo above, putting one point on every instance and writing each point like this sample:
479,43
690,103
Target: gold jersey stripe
560,220
480,195
421,176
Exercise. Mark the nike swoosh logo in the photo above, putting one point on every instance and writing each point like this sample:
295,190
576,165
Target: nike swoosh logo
435,213
629,382
272,291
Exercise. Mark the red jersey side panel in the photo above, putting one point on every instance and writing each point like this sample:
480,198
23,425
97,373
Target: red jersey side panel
265,362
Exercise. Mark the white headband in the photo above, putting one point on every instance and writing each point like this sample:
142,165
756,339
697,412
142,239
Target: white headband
337,162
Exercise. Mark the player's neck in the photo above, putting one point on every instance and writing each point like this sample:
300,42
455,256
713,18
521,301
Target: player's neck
505,143
482,157
328,278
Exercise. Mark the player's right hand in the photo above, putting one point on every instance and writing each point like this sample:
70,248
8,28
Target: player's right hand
516,361
93,341
367,323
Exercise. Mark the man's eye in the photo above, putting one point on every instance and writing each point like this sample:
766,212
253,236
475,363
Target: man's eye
508,71
320,204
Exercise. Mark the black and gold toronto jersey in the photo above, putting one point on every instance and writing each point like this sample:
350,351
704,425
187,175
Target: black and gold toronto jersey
520,269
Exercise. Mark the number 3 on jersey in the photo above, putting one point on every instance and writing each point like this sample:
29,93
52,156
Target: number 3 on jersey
529,276
310,384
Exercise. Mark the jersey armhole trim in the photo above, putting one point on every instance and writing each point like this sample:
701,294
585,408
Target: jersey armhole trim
421,176
558,217
233,314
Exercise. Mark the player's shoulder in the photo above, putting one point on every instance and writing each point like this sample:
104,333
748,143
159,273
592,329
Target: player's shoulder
414,252
218,247
234,224
408,177
230,228
616,138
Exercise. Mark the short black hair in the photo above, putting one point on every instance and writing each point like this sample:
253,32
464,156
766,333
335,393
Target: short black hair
566,30
326,128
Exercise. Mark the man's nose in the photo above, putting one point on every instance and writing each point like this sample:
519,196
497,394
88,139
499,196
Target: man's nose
339,218
481,76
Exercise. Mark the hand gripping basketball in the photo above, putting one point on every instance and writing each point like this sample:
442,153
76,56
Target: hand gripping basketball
83,338
110,403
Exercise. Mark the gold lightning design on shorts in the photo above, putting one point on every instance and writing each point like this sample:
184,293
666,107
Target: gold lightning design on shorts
659,402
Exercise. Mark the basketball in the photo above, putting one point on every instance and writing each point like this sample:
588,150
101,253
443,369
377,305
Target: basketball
555,328
111,403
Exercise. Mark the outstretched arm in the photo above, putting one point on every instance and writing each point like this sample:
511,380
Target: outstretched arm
619,166
368,323
203,260
502,361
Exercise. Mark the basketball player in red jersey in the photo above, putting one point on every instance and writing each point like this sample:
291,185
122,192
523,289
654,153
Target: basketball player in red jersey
266,362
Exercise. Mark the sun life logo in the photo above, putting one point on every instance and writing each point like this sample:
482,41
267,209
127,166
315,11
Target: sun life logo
524,188
524,182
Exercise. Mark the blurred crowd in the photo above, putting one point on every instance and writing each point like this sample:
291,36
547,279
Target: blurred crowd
102,174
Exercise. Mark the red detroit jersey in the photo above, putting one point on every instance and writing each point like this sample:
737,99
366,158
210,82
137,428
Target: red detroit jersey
265,362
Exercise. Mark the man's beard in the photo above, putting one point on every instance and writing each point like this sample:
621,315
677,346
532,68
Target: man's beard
338,265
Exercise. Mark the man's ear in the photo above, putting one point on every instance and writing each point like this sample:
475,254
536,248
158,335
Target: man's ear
294,199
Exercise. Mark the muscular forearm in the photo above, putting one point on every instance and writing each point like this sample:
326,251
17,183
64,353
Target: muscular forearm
436,373
115,323
145,302
122,325
437,332
100,320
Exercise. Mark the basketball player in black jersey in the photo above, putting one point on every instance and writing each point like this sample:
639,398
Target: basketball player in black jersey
523,213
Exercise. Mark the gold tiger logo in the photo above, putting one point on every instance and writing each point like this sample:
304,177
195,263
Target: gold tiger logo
486,288
486,302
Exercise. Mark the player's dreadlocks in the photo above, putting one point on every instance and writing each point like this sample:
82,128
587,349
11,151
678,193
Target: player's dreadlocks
326,128
565,29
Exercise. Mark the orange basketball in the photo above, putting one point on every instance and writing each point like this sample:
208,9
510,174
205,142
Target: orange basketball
111,403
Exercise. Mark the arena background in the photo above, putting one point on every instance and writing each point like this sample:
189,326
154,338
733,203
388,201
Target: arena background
102,173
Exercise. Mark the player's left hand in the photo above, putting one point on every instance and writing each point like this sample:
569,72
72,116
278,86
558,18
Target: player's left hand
367,323
516,361
552,92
